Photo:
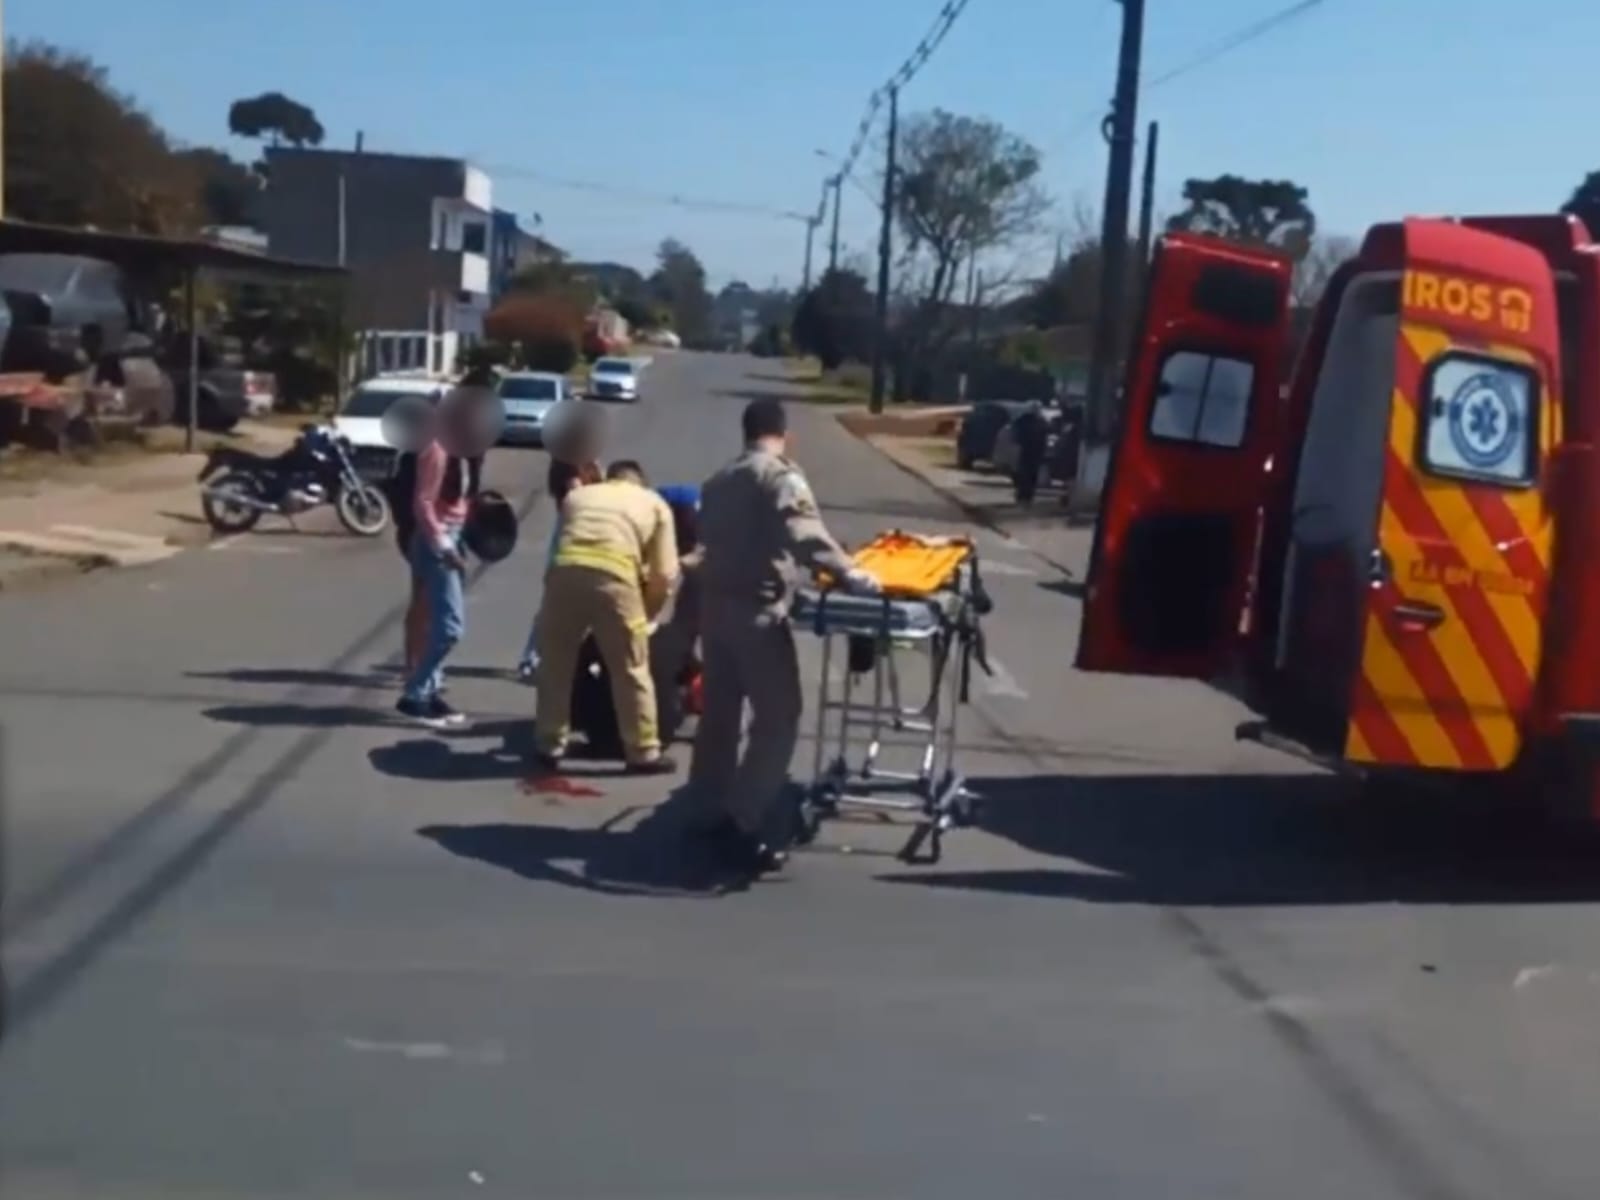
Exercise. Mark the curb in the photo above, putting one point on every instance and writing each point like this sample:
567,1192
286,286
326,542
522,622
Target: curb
36,569
974,513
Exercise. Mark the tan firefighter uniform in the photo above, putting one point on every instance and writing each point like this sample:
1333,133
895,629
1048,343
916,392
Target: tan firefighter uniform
758,521
615,561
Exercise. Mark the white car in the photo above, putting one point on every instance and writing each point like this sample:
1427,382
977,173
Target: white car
614,379
361,418
527,398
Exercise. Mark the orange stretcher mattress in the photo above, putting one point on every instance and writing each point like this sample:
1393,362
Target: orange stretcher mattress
913,565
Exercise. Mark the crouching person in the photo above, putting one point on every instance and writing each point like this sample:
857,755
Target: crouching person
614,566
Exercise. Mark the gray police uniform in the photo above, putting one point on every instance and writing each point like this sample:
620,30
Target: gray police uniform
758,522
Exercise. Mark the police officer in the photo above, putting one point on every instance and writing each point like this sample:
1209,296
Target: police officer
758,521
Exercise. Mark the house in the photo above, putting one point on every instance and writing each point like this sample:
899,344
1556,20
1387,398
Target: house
414,232
513,250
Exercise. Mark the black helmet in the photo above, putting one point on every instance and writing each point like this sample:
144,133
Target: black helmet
490,531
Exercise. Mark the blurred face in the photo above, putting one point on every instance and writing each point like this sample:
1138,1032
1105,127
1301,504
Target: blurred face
469,419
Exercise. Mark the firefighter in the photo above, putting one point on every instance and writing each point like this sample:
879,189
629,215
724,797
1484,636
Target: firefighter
615,561
758,520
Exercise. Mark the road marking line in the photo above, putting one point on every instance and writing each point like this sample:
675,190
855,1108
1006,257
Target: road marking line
491,1054
995,566
224,542
1001,682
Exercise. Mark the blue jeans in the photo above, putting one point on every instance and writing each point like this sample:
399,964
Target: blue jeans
444,588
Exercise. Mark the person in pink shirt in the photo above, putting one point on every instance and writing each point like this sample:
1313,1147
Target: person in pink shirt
440,503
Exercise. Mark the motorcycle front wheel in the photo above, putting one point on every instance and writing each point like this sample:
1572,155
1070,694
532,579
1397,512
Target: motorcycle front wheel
226,514
363,510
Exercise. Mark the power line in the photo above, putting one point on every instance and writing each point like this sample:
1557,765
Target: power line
1241,38
639,196
1233,41
915,61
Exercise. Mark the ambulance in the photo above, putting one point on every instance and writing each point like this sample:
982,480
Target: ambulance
1391,552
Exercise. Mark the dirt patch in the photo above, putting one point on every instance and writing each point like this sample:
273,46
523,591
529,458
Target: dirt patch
919,423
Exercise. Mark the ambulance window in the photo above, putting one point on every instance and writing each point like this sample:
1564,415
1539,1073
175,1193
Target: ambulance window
1482,419
1202,398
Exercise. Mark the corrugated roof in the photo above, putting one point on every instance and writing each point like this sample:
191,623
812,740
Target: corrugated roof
139,250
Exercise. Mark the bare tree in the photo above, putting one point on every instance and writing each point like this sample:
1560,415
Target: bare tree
1312,273
966,187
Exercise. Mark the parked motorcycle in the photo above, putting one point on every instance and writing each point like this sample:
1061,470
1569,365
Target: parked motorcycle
237,487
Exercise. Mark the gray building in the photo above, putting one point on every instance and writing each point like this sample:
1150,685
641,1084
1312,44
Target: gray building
415,234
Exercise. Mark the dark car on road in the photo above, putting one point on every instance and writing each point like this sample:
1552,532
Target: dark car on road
980,427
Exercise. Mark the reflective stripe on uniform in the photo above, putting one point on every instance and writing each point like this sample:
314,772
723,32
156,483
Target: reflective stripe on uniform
613,562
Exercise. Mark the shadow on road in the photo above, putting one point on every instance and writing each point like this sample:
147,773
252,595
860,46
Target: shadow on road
654,859
750,395
1245,840
382,676
303,716
1073,589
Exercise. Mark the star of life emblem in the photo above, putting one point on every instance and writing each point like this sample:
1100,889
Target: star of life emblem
1485,426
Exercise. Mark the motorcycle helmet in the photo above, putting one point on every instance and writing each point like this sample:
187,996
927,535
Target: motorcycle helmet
490,531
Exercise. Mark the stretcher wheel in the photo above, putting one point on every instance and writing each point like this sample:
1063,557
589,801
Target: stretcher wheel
816,804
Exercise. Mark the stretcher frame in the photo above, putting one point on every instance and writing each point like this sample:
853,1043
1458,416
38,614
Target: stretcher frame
944,629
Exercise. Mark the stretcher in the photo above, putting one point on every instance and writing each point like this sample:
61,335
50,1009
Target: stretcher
931,607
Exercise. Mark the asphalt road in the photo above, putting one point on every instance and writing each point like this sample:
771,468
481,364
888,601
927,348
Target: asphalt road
262,941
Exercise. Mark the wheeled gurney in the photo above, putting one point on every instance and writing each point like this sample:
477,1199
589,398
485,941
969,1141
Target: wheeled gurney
932,602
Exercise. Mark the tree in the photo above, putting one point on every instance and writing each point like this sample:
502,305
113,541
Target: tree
966,187
275,117
229,191
557,279
547,330
637,312
1313,273
679,283
834,320
80,153
1261,212
1585,203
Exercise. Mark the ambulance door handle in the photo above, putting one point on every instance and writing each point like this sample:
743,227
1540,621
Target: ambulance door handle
1413,617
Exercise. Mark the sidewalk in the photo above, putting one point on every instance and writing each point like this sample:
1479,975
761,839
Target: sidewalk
987,498
130,510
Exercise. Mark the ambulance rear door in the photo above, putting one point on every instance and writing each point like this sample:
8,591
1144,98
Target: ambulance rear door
1177,539
1457,585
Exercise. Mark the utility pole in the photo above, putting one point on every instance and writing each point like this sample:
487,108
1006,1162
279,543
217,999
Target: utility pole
811,229
2,114
1147,200
885,246
833,245
1119,130
974,282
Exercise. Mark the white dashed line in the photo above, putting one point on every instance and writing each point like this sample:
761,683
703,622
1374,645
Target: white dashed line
1001,682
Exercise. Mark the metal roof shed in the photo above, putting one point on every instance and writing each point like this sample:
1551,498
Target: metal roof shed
142,254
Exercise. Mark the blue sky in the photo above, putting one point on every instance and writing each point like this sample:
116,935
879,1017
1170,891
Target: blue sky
1381,107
